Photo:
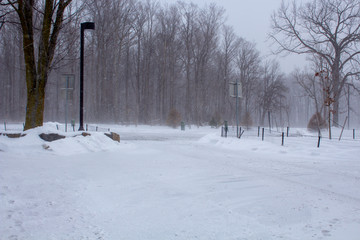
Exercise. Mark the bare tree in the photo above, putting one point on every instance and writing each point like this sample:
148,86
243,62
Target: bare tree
38,67
149,32
167,51
329,29
272,90
114,25
206,40
248,65
188,27
12,90
226,59
311,87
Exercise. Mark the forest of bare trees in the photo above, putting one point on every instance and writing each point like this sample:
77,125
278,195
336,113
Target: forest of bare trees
145,59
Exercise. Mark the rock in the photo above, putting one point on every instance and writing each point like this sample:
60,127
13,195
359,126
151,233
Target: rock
46,147
13,135
113,136
85,134
50,137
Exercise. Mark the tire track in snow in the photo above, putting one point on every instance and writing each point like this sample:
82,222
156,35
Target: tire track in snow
213,154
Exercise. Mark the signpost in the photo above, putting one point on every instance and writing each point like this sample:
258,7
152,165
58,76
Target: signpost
236,92
67,81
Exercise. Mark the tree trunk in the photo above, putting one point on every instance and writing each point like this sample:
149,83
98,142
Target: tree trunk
35,105
336,88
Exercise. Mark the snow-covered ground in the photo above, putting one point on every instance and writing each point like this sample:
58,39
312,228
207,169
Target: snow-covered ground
162,183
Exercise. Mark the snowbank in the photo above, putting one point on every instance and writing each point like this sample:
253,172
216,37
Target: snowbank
74,143
163,183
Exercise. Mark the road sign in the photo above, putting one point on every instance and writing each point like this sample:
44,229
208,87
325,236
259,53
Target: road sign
68,83
235,87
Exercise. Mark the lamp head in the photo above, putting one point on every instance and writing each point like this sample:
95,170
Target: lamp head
88,25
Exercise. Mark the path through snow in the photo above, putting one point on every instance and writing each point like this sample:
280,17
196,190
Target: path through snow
162,184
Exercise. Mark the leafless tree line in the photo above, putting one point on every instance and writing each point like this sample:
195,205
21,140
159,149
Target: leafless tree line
145,59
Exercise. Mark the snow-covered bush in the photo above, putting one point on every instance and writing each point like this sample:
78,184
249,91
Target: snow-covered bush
316,122
174,118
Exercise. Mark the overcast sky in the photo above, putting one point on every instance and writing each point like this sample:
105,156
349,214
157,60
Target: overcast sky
251,20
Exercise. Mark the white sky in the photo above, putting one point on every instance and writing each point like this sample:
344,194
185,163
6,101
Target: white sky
251,20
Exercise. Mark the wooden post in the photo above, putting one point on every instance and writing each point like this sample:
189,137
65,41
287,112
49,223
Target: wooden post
262,138
5,126
329,123
269,121
258,131
342,130
287,131
282,139
354,133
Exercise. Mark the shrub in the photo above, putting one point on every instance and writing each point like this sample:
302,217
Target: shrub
248,122
174,118
215,120
213,123
316,122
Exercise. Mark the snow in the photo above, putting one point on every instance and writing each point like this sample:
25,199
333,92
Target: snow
163,183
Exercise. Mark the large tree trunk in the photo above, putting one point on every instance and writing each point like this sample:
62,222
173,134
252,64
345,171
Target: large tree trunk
35,104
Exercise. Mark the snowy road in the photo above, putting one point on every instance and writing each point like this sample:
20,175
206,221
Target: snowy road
193,185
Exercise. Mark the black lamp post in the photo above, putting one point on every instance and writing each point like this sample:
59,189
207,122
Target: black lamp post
84,25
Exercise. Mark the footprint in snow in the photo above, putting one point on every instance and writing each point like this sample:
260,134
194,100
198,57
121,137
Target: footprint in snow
326,233
13,237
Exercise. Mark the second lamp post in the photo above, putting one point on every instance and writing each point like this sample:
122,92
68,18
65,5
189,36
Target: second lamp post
84,25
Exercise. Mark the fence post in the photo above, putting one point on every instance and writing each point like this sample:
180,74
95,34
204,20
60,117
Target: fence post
318,145
354,133
96,128
226,128
258,131
73,124
5,126
282,139
287,131
87,127
57,127
269,121
342,129
182,126
262,138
